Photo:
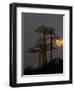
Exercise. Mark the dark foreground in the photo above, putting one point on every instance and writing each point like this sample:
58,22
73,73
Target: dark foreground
53,67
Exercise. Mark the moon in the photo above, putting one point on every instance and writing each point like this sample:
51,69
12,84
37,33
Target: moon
59,42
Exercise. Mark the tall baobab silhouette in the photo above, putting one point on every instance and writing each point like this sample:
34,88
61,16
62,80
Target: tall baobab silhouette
41,45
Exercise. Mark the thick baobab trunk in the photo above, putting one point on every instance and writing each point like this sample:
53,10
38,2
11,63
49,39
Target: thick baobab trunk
44,48
42,56
42,59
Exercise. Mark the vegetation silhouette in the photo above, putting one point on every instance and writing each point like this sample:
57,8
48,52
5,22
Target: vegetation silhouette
55,66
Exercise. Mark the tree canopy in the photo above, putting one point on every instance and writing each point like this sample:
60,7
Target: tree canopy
45,29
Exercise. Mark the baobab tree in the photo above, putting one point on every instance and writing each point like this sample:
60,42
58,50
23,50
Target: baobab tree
41,45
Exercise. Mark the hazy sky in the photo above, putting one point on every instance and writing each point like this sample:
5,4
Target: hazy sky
31,21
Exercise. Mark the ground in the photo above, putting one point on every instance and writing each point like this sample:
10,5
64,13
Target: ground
55,66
